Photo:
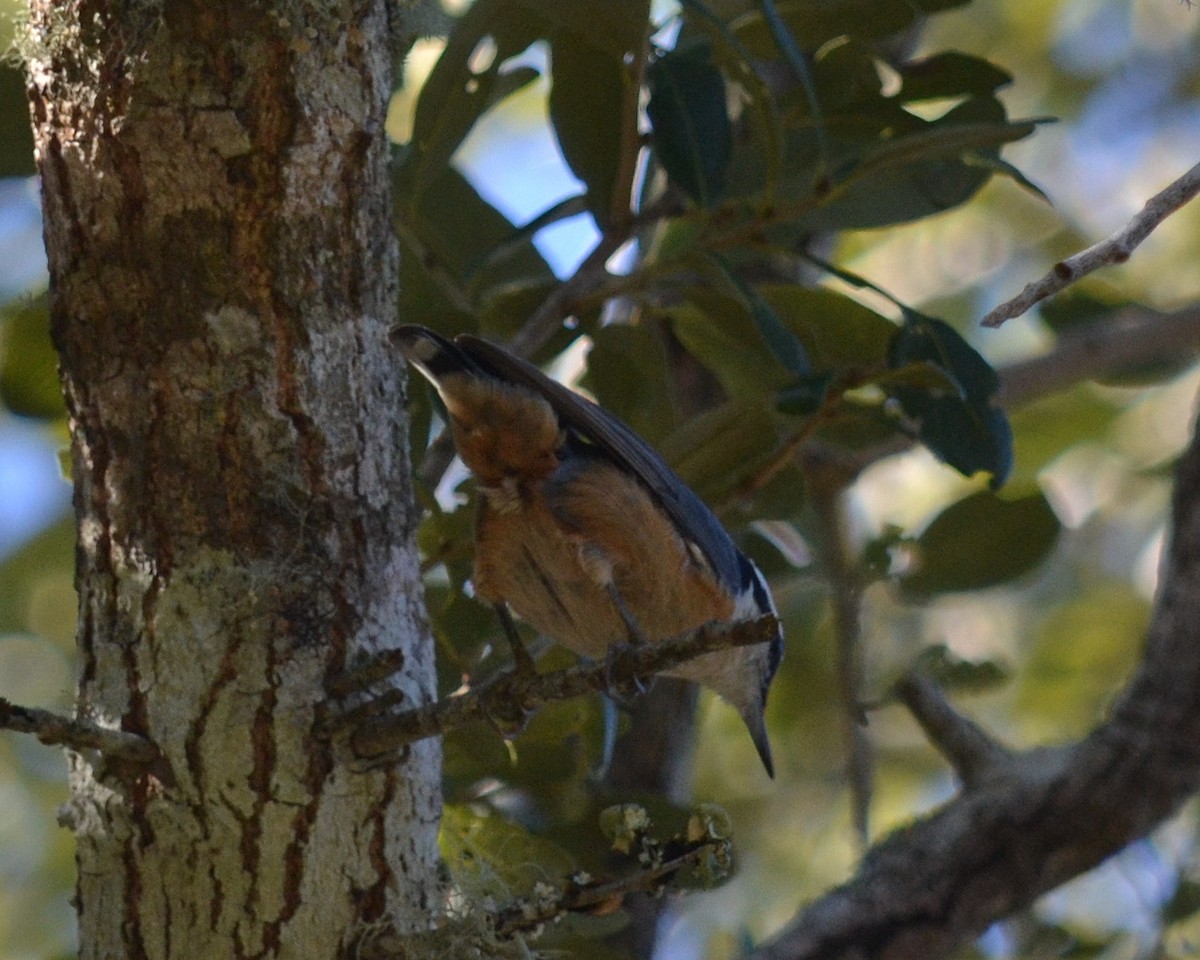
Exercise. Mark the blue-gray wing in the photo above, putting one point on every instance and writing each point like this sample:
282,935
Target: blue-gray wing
690,515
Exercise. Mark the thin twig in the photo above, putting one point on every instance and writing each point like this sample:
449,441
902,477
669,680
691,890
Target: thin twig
969,748
53,729
1115,249
511,698
546,319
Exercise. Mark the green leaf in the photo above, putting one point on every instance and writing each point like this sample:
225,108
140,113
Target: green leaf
692,135
963,429
980,541
1082,652
804,395
929,339
587,102
491,856
741,66
784,344
28,363
814,24
449,234
627,371
615,26
719,450
949,74
721,334
839,334
1043,430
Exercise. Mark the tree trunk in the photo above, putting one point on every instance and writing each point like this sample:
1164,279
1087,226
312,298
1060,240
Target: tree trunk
223,274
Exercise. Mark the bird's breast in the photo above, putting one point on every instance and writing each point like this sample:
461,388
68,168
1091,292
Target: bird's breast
550,549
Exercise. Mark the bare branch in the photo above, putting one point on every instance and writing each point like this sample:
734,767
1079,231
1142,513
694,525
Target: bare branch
1045,815
1115,249
540,327
971,750
54,729
509,700
1126,340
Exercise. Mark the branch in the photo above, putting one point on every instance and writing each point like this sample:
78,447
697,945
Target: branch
846,589
1124,341
549,315
509,700
585,895
1043,816
1116,249
54,729
969,748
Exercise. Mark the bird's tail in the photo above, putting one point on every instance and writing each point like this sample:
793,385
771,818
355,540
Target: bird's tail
431,353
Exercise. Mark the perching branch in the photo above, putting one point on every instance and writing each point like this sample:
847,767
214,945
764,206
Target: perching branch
54,729
510,699
1042,816
1115,249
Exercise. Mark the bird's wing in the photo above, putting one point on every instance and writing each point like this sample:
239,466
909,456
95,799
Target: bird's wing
690,515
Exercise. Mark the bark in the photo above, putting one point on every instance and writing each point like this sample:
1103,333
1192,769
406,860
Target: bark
1028,822
223,274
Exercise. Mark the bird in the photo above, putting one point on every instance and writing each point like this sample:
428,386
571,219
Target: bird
584,532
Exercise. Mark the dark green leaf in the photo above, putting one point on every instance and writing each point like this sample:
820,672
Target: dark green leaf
615,26
923,375
722,335
627,371
1184,902
740,64
969,437
950,74
450,234
717,451
963,428
692,136
784,345
927,339
814,24
587,103
839,334
980,541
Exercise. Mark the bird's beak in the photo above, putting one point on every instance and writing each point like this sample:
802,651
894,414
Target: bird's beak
755,723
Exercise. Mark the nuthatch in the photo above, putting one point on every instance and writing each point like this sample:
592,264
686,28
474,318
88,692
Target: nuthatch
584,531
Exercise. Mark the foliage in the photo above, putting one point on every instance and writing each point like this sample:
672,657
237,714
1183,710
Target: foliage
770,129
